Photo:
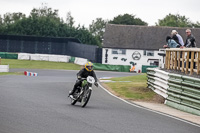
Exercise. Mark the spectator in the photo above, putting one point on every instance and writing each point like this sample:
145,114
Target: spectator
171,43
190,41
177,37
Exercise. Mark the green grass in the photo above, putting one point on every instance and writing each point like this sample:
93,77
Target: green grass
136,89
29,64
11,73
39,64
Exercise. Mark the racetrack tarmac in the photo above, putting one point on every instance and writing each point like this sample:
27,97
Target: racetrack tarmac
40,105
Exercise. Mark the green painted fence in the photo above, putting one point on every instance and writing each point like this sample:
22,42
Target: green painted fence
105,67
6,55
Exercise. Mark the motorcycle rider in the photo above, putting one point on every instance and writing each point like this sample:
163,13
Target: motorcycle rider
84,73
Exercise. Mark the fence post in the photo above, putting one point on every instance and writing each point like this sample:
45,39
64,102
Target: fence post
179,62
198,58
192,63
187,62
169,58
172,60
166,59
183,59
175,61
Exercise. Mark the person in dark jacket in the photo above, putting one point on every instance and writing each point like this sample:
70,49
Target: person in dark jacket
190,41
84,73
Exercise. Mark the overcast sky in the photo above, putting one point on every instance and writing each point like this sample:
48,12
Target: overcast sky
84,11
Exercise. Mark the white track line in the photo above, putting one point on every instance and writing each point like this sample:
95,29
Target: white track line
138,106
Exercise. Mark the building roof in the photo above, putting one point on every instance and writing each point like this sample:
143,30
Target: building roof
141,37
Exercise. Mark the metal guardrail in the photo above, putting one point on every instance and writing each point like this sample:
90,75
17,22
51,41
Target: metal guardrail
184,59
181,92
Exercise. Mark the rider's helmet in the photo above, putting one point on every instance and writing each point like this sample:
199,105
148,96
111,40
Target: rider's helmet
89,66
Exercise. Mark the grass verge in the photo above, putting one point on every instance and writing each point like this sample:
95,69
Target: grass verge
131,88
11,73
30,64
39,64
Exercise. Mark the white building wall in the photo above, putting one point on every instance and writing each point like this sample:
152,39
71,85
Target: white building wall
126,59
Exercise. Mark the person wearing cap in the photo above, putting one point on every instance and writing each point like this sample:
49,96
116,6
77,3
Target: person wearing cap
177,37
190,41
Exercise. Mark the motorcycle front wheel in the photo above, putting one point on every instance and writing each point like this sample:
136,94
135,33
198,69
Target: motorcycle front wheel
86,98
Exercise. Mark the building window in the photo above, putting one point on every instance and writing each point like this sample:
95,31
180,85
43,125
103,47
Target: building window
154,63
119,51
148,53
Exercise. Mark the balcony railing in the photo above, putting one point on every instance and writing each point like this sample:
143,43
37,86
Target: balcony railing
185,60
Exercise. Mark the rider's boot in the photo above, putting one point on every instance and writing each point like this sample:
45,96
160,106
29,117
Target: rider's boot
72,92
74,89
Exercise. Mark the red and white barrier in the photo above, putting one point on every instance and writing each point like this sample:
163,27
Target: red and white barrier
30,73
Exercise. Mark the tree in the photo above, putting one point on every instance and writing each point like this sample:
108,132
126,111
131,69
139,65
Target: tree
196,25
1,24
45,22
70,20
174,21
127,19
97,28
44,11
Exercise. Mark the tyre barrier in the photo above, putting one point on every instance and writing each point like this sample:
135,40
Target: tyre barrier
26,73
180,92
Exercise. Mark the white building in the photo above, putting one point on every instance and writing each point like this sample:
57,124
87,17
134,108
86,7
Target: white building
132,56
130,44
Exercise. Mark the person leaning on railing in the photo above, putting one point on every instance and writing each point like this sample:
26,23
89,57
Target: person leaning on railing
171,43
190,43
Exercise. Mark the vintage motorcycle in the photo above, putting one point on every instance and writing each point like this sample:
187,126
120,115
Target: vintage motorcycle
83,93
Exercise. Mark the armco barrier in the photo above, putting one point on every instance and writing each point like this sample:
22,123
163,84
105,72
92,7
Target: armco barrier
181,92
119,68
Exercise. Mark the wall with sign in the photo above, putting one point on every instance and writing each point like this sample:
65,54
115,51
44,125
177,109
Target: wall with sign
131,57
